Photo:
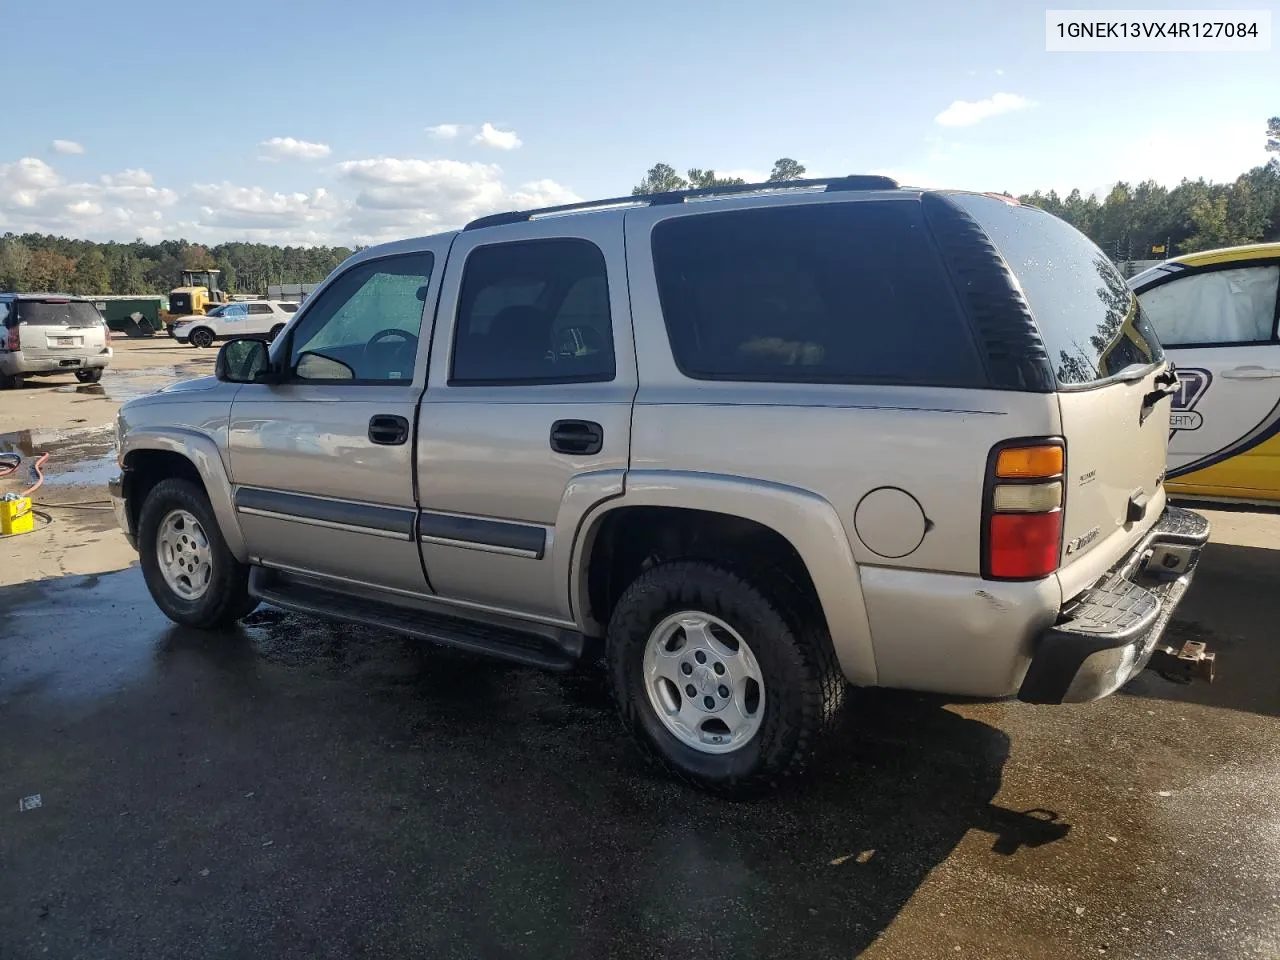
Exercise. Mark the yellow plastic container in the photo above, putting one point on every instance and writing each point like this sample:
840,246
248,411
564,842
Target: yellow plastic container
16,517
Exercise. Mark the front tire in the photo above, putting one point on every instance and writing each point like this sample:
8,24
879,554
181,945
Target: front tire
728,688
191,573
89,376
201,337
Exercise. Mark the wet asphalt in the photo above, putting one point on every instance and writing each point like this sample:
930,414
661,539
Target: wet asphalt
301,789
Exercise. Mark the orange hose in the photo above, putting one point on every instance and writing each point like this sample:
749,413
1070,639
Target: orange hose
39,476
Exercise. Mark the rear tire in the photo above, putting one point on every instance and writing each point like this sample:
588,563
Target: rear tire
178,538
800,688
10,381
89,376
275,332
201,337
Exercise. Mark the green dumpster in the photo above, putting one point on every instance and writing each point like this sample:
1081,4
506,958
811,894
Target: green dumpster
135,316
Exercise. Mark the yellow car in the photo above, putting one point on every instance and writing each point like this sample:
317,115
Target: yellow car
1216,312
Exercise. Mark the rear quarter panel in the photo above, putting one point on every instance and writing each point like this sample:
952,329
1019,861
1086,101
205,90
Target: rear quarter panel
844,442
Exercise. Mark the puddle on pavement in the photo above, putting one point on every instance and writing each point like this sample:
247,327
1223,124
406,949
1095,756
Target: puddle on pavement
124,385
84,456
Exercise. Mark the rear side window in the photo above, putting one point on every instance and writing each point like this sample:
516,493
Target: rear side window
1089,319
289,307
1218,307
824,293
71,313
534,312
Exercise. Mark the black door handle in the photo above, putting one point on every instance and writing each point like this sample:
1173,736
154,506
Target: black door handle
582,437
388,431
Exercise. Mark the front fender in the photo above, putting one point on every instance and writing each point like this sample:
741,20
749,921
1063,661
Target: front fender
203,453
806,520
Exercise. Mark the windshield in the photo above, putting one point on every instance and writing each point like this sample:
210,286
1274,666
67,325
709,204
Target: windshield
57,313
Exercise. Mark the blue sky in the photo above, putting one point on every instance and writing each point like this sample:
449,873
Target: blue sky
329,122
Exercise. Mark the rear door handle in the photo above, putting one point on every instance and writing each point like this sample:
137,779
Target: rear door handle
1251,373
580,437
387,430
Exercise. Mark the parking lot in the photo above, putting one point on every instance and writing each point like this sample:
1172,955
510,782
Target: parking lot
302,789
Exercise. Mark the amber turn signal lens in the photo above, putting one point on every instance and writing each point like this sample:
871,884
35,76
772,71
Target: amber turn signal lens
1024,462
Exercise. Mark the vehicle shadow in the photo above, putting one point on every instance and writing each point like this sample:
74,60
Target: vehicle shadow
1232,606
821,867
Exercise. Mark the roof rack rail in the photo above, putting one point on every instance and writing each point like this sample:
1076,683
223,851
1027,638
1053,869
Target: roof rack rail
830,185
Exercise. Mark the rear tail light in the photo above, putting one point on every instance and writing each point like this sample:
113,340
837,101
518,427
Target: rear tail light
1022,512
12,341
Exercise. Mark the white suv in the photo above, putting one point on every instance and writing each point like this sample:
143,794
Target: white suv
251,318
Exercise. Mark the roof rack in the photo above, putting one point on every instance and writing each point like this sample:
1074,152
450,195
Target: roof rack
830,185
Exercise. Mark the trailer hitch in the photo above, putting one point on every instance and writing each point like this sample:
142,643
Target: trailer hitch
1191,661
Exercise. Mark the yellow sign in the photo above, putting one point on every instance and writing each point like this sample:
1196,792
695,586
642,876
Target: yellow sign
1159,249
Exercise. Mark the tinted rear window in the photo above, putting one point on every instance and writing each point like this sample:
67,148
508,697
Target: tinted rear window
826,293
1089,319
76,313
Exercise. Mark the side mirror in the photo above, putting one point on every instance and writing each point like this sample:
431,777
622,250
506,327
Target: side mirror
244,360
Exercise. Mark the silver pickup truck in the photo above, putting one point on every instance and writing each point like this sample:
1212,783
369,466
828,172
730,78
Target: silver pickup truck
751,445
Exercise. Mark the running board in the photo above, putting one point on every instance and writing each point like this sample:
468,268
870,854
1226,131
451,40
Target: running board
556,649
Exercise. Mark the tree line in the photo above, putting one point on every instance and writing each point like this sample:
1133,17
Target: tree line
40,262
1131,223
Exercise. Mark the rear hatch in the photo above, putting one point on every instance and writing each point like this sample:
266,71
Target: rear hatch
60,328
1113,384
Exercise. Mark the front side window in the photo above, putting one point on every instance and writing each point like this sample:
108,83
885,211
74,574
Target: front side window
1218,307
366,324
534,312
817,293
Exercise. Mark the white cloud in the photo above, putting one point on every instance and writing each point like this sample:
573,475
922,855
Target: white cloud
132,177
539,193
750,176
229,205
369,201
999,72
67,146
445,131
964,113
403,197
280,147
491,136
34,196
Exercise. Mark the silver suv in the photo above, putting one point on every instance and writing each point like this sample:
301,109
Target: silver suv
752,445
45,334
